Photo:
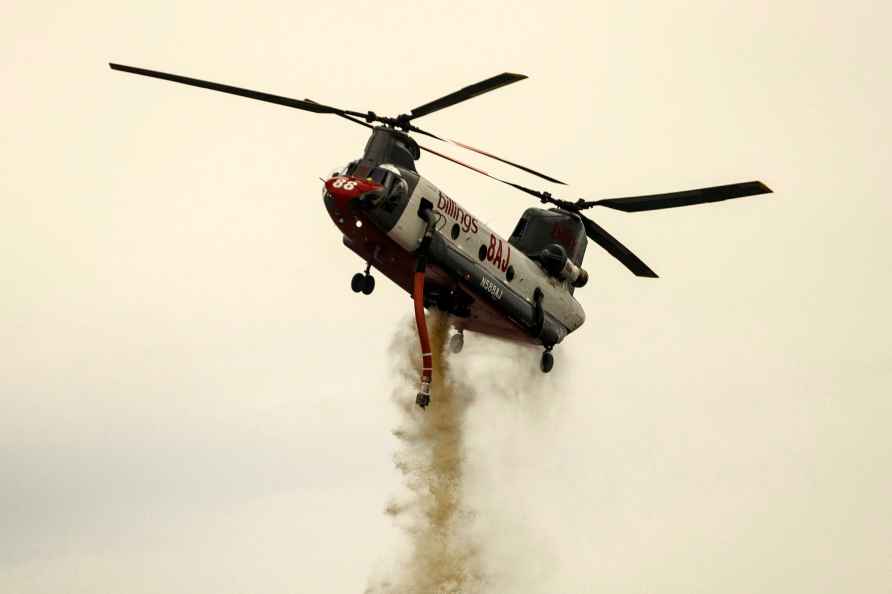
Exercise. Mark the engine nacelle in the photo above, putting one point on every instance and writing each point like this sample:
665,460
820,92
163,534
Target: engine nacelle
555,261
577,276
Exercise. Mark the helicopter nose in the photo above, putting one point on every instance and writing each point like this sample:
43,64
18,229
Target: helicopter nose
344,188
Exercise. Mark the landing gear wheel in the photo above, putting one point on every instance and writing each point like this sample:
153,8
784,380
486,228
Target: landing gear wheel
456,343
422,399
368,284
547,362
358,282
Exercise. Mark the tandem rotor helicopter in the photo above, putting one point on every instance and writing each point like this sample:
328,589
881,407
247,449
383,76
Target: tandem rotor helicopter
520,288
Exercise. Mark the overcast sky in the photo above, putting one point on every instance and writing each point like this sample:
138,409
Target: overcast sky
193,400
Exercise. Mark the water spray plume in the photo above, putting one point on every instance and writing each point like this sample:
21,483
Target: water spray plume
443,560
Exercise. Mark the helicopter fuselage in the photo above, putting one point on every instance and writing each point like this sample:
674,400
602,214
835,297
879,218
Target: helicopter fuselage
424,241
474,274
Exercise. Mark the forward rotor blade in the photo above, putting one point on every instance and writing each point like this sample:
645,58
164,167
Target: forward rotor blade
685,198
507,162
469,92
463,164
529,191
432,151
448,158
486,154
535,193
612,245
345,116
260,96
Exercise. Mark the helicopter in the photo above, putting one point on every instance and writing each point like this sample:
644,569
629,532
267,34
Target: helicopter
397,221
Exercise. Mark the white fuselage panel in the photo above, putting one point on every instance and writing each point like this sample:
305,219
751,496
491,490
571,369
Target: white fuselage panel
474,239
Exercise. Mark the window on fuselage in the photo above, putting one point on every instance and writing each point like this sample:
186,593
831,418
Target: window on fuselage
395,187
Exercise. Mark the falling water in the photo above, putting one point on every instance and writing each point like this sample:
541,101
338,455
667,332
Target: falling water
442,559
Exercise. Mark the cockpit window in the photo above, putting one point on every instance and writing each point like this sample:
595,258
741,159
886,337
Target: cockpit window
384,174
380,176
395,187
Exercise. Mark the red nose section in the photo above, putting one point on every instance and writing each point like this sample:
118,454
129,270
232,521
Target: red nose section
347,187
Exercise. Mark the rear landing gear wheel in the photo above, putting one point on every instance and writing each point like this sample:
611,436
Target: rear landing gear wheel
456,343
363,282
368,284
357,283
547,361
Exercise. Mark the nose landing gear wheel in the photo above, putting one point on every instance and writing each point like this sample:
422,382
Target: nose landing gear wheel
547,361
363,282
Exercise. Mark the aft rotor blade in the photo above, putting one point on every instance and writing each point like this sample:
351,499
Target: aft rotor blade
685,198
260,96
469,92
612,245
490,155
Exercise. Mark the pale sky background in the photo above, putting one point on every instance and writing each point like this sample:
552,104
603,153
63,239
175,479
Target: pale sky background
192,399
